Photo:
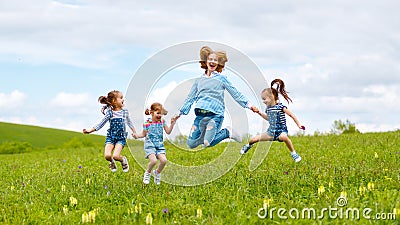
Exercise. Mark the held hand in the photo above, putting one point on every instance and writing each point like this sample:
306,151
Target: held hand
85,131
174,119
134,135
255,109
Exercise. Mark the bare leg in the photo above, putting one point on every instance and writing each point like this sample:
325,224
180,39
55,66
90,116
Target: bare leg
117,152
152,162
108,152
283,137
260,137
255,139
163,162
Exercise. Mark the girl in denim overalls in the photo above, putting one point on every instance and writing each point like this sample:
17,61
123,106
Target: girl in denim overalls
154,142
208,95
116,135
275,114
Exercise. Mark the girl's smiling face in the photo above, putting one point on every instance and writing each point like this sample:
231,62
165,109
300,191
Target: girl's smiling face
119,101
268,98
156,115
212,62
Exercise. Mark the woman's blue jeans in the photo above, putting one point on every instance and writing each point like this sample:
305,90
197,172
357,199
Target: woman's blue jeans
206,130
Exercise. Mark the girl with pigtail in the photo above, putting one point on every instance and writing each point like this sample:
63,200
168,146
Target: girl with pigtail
275,115
154,144
115,113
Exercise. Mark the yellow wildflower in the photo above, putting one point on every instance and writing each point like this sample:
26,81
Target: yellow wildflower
85,218
65,209
330,185
343,194
321,189
63,188
87,181
92,216
149,219
267,202
362,189
371,186
138,208
376,155
73,201
199,213
388,178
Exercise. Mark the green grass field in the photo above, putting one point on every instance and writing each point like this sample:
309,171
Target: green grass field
63,178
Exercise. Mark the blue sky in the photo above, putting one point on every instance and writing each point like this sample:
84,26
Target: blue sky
339,59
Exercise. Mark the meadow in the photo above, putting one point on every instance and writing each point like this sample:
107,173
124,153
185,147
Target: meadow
61,177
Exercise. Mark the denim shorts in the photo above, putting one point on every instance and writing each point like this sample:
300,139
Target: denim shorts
276,133
150,148
114,141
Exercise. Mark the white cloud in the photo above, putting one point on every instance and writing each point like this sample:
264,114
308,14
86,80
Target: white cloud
364,127
13,100
69,100
161,94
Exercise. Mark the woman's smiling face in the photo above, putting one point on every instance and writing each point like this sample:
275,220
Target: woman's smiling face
212,62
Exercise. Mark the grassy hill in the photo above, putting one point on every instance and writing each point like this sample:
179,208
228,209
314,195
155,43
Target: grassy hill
67,184
40,137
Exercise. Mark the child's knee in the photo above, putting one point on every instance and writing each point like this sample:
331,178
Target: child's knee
153,161
283,137
163,161
108,157
117,157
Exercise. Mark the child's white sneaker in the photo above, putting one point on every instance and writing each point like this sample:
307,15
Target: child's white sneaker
296,157
245,148
124,164
146,177
112,166
157,177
